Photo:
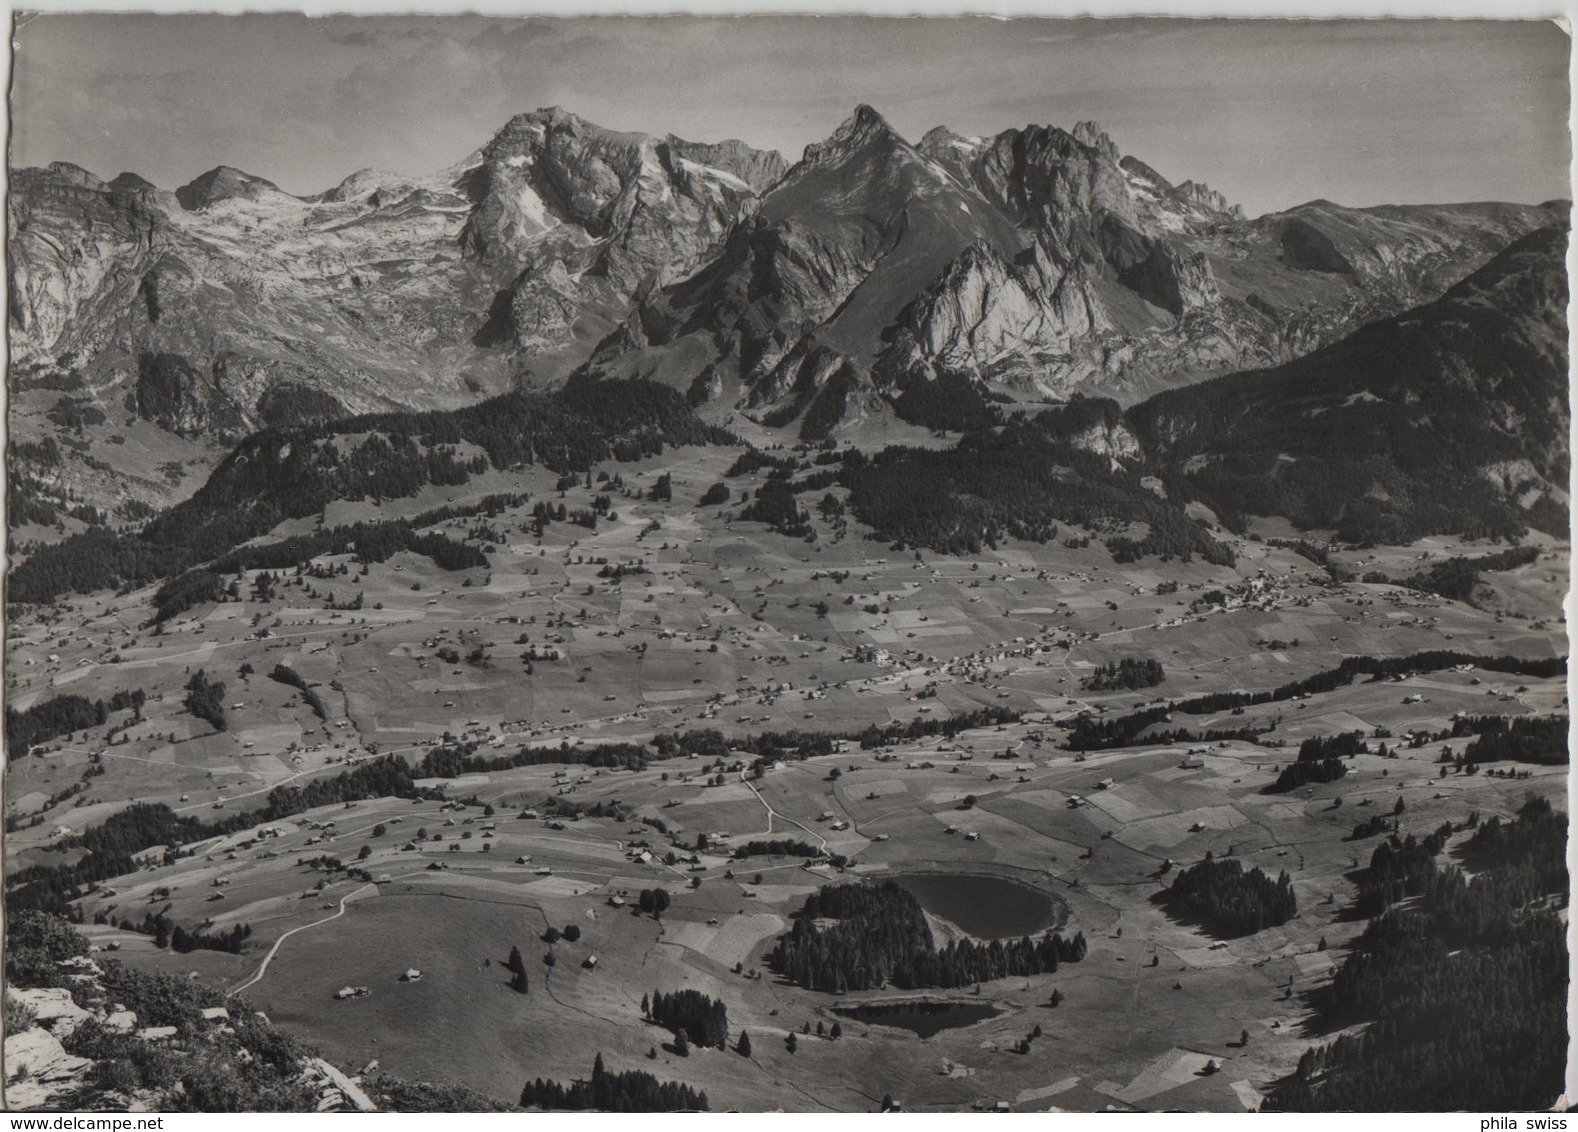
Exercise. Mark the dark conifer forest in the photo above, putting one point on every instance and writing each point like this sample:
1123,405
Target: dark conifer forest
1312,439
1539,739
1020,483
1127,674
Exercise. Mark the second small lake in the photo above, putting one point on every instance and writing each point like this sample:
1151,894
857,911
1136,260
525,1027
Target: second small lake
923,1018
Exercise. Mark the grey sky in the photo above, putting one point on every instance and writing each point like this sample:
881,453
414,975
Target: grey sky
1271,113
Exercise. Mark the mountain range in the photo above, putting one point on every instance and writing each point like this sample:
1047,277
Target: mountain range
875,279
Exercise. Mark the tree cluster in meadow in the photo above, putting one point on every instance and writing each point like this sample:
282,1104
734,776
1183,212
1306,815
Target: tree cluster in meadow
606,1091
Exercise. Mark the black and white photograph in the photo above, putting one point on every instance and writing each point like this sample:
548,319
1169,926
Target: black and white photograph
829,564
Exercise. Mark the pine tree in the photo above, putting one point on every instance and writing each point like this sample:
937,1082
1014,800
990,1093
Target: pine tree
744,1046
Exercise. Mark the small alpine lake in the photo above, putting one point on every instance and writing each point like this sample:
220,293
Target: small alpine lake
985,906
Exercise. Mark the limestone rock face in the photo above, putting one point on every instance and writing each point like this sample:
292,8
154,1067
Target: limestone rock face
572,219
1177,281
40,1073
52,1007
984,318
336,1092
38,1069
758,168
79,250
1110,438
230,305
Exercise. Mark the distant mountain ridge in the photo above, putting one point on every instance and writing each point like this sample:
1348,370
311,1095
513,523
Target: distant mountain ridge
1036,262
873,278
1031,265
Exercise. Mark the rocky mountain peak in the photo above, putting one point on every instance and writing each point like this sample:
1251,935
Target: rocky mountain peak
1169,206
132,183
952,151
1202,194
1143,173
1038,261
939,138
554,116
224,182
1091,134
360,184
866,117
75,174
537,127
865,127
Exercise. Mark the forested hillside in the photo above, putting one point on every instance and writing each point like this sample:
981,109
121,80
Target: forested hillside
276,475
1450,418
1473,975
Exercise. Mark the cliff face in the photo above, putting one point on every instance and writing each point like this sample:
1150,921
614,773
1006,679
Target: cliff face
79,249
571,219
361,296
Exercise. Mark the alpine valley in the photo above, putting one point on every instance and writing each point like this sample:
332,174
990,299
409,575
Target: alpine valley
632,623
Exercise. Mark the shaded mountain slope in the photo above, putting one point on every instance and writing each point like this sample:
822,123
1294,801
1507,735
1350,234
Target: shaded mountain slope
1450,417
